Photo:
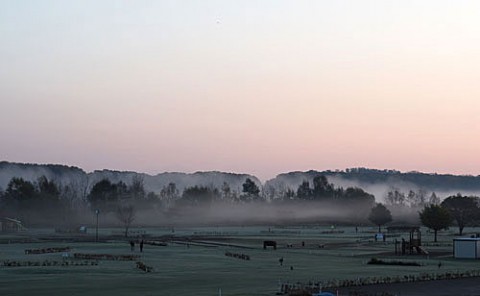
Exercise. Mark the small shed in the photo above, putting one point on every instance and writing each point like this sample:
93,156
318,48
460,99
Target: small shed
466,248
10,225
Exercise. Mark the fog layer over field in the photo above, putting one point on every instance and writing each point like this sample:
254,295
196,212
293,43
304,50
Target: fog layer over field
240,214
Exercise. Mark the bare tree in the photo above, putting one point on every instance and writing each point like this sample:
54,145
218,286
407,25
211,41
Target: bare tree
169,194
137,188
126,215
395,197
434,199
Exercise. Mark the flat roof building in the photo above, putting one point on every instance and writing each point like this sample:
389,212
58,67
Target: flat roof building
466,248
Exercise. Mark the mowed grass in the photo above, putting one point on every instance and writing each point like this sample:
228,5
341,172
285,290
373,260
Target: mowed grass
203,269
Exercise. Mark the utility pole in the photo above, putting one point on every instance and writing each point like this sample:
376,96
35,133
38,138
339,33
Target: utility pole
97,211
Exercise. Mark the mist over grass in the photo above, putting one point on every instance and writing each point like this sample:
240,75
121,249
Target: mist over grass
222,214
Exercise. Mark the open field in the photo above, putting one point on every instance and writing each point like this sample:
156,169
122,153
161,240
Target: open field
194,261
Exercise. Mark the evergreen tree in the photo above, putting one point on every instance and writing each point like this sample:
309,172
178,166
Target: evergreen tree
304,191
322,189
250,190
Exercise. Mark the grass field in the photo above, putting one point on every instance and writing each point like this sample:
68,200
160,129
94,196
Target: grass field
201,267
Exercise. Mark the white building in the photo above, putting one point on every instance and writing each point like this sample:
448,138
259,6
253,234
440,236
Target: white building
466,248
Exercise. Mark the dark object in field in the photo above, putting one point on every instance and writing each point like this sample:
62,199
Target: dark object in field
141,246
9,263
293,290
48,250
270,244
402,263
238,256
105,257
132,245
332,231
280,261
142,266
334,284
155,243
414,242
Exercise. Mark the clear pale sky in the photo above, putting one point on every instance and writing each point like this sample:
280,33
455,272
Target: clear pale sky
261,87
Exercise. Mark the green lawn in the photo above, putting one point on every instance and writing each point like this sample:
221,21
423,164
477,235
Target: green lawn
202,270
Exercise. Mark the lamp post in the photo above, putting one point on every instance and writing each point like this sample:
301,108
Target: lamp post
97,211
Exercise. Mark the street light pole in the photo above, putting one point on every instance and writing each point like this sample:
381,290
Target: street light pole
96,229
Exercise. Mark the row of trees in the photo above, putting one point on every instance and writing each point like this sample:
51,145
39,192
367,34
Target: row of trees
463,210
412,199
460,210
30,201
46,202
322,190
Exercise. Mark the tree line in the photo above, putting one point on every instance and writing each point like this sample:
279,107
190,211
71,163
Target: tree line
458,210
44,202
30,200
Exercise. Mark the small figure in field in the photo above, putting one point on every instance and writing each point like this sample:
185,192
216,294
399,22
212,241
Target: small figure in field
281,261
141,246
303,244
439,264
356,229
291,267
132,245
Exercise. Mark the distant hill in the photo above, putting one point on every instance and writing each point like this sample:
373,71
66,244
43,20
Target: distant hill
66,175
379,182
155,183
61,174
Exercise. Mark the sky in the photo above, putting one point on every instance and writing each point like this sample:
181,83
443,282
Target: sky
259,87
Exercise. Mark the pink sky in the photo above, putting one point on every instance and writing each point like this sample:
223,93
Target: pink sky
241,86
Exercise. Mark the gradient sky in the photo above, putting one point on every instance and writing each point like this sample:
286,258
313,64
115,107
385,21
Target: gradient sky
261,87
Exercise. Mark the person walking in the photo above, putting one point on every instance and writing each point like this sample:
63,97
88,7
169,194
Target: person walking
141,246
